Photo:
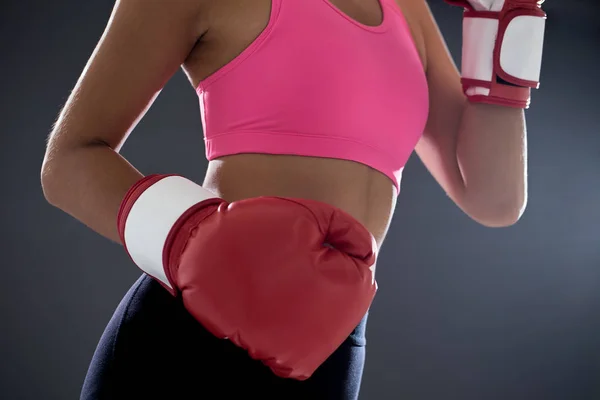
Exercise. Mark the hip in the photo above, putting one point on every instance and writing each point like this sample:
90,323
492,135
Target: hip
152,338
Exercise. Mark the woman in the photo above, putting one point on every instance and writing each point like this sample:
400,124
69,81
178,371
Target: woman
306,105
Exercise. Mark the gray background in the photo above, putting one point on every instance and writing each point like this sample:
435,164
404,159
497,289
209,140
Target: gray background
463,312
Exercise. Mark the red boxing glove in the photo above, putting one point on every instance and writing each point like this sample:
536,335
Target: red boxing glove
286,279
502,50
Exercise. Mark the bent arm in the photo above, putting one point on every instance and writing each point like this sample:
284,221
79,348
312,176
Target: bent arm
143,45
477,152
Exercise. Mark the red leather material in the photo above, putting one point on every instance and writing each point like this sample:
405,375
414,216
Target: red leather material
500,94
517,93
286,279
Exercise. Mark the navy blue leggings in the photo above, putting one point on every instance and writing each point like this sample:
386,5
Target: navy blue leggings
153,349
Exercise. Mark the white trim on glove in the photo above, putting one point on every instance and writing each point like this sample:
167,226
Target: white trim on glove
520,50
151,218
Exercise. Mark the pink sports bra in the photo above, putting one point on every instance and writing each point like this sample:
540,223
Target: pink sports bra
317,83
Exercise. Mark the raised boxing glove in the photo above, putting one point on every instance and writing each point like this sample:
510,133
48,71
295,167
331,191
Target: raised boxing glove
286,279
502,50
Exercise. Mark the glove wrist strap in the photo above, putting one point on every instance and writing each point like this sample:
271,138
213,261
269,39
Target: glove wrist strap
502,55
148,212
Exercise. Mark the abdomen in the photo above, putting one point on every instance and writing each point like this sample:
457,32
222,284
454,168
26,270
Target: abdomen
367,195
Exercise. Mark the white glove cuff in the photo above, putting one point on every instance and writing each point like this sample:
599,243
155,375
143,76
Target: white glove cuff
510,48
151,217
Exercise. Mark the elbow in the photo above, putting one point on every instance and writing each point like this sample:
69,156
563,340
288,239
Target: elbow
499,215
49,171
53,174
500,220
48,182
60,162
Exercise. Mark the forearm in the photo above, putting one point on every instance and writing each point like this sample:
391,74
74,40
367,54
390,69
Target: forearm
497,79
492,157
89,182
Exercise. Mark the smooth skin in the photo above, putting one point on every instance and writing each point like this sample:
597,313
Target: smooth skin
476,152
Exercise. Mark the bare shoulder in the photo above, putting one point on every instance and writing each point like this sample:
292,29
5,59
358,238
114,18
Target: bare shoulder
416,14
426,33
149,16
142,25
143,45
167,9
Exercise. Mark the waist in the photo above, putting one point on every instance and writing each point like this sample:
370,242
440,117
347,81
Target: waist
364,193
342,148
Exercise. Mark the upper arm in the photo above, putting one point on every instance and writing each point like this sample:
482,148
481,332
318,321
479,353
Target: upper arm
143,45
437,147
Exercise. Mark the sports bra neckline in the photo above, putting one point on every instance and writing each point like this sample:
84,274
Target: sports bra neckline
381,27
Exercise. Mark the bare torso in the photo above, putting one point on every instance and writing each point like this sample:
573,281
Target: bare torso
366,194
